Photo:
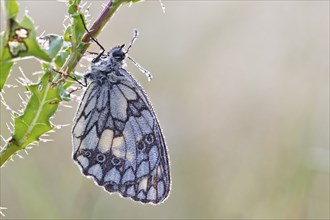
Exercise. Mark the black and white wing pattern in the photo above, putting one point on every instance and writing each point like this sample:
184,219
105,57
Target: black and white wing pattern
117,139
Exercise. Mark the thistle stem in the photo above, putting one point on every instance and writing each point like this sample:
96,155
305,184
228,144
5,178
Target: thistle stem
108,11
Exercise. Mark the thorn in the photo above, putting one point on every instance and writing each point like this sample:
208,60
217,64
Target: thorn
45,140
21,157
88,7
42,34
61,126
2,138
3,101
19,95
10,86
5,104
20,82
24,76
1,213
67,106
83,5
76,98
37,73
34,144
9,128
162,5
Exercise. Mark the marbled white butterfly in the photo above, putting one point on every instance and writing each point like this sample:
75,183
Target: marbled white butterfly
117,139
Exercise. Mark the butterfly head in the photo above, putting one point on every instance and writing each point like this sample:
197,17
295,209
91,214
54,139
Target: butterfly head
117,54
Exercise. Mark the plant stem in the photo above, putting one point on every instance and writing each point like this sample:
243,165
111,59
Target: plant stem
8,150
15,145
12,146
108,11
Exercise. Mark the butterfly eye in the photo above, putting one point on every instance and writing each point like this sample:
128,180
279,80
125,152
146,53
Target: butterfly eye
118,54
100,158
149,138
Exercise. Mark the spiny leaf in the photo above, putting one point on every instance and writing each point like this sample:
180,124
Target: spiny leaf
62,56
19,40
5,67
10,8
42,105
77,29
55,43
22,41
4,70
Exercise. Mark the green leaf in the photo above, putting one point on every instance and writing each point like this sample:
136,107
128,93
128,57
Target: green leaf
78,29
67,34
19,40
35,120
62,56
42,104
10,8
4,70
5,67
55,43
22,41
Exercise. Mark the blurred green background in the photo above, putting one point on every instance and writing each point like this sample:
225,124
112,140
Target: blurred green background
241,89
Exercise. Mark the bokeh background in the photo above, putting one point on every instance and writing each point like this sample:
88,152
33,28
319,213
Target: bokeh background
241,89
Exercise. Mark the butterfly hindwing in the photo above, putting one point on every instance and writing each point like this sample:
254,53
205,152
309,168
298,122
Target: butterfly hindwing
118,142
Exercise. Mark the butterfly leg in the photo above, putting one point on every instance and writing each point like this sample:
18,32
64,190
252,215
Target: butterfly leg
91,37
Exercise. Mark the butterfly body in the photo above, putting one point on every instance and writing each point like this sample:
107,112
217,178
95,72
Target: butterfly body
117,139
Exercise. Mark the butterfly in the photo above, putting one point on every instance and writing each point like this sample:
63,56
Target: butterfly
117,140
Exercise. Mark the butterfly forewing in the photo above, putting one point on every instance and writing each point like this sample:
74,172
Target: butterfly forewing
117,139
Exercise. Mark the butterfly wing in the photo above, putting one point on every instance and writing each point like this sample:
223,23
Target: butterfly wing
118,141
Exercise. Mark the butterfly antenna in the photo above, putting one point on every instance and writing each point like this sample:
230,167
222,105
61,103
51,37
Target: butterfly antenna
143,70
90,35
135,36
